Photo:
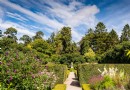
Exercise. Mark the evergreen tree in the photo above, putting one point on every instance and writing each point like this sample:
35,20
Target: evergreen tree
87,41
84,45
66,39
125,36
112,39
99,44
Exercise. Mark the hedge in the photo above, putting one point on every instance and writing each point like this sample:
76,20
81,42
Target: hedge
60,87
86,87
86,71
60,71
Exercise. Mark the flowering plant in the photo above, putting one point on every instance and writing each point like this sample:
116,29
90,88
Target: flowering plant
24,72
112,79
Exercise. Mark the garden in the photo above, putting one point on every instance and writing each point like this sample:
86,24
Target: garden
104,76
101,60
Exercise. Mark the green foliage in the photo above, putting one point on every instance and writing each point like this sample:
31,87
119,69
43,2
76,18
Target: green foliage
41,46
60,87
87,41
90,56
26,71
11,33
99,44
125,36
22,71
26,39
112,39
68,58
60,71
117,54
38,35
107,83
86,71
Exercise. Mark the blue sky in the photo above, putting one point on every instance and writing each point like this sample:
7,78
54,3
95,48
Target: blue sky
30,16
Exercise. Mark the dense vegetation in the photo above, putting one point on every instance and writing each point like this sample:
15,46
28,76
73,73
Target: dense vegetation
116,75
27,65
98,45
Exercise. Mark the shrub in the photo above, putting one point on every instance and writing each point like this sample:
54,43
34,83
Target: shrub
60,87
86,71
117,54
90,56
25,71
86,87
60,71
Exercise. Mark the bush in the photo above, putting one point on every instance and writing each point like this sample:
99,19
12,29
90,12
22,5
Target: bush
25,71
86,87
117,54
90,56
60,87
60,71
74,57
86,71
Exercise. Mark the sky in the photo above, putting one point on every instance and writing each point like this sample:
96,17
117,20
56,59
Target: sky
30,16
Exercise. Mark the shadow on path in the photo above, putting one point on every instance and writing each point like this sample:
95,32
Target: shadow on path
75,83
72,82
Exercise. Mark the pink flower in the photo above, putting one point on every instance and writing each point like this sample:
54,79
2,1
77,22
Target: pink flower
96,79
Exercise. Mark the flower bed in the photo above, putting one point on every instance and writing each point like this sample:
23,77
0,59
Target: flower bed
25,71
100,76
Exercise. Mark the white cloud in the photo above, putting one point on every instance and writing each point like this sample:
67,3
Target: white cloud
73,15
19,28
35,17
16,16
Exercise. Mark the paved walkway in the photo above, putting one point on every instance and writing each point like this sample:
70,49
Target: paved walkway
72,82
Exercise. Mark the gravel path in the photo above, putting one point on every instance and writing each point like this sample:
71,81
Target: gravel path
72,82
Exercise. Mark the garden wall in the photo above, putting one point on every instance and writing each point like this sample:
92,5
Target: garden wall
86,71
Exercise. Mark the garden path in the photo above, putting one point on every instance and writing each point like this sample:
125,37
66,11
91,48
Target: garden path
72,82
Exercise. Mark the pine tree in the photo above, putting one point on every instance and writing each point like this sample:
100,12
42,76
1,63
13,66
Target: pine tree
125,36
99,45
112,39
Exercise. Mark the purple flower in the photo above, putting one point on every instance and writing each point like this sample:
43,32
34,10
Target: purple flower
15,70
33,76
11,78
6,53
96,79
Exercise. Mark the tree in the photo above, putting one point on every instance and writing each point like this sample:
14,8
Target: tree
66,38
11,33
26,39
100,28
41,46
90,55
1,33
51,39
87,41
74,48
38,35
62,41
99,45
125,36
112,39
84,45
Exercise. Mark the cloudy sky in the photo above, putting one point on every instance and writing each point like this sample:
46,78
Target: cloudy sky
30,16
